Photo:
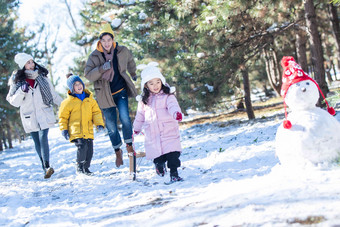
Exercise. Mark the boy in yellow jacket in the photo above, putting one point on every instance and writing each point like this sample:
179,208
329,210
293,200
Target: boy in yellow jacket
77,114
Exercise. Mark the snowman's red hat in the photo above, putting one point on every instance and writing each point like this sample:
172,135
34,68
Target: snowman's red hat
293,73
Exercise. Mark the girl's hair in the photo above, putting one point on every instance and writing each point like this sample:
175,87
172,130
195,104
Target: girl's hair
146,93
20,75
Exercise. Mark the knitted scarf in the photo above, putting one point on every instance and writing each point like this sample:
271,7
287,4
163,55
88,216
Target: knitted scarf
45,89
109,74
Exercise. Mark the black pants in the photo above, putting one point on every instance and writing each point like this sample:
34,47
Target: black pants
173,162
84,152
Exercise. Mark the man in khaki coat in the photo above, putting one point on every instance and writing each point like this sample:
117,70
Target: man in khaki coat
107,68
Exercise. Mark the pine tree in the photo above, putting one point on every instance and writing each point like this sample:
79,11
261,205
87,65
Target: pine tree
12,41
200,44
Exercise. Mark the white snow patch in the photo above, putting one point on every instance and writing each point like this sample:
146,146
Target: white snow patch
232,178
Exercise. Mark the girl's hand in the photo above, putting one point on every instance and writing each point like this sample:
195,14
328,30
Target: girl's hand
136,132
178,116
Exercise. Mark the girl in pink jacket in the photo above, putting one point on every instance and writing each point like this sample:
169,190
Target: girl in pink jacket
158,114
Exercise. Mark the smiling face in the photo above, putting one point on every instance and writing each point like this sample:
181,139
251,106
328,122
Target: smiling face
78,88
107,42
154,85
30,65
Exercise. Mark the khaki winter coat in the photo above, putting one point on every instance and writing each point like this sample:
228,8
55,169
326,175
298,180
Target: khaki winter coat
93,72
78,117
35,115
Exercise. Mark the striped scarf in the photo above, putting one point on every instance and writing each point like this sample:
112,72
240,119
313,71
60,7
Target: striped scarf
45,90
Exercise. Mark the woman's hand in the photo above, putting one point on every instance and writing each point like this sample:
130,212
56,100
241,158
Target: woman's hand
25,87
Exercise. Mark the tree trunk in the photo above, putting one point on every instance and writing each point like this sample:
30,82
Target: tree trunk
1,138
334,71
9,134
272,69
246,87
316,48
1,144
334,20
328,74
301,43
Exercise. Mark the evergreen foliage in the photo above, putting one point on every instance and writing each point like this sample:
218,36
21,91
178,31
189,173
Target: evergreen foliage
12,41
202,44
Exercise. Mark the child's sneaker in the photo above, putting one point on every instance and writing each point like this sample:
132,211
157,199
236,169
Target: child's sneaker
160,169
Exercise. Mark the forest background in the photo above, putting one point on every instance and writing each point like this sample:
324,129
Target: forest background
217,53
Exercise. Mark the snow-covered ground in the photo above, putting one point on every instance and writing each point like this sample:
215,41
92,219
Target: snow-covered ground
232,178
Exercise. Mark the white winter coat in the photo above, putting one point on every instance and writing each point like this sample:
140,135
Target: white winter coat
35,115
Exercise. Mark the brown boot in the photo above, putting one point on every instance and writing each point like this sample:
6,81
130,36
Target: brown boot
130,150
49,173
119,158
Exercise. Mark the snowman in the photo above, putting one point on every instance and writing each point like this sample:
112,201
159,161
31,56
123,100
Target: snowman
309,135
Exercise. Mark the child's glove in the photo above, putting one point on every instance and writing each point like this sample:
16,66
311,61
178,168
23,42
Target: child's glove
136,132
25,87
65,134
134,78
100,128
178,116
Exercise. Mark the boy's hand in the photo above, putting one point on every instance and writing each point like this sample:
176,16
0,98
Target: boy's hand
65,134
178,116
100,128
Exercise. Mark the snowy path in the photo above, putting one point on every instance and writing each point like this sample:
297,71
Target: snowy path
232,177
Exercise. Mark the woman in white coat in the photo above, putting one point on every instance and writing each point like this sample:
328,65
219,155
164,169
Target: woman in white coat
32,91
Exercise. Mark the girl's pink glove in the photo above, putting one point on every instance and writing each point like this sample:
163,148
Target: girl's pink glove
136,132
178,116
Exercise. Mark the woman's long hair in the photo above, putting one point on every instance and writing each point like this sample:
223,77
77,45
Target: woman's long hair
20,75
146,93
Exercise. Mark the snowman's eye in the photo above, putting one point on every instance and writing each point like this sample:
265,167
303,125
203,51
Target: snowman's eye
307,83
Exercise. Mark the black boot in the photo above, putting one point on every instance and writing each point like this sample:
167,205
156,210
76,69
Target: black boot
160,169
88,172
80,168
174,176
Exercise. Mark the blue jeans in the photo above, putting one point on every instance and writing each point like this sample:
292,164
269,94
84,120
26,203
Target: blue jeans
110,114
40,139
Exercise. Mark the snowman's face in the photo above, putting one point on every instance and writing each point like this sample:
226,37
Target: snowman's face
302,95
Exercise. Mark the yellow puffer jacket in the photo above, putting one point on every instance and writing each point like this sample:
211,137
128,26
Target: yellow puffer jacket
78,116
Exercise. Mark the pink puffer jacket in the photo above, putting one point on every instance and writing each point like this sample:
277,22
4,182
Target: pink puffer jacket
157,118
